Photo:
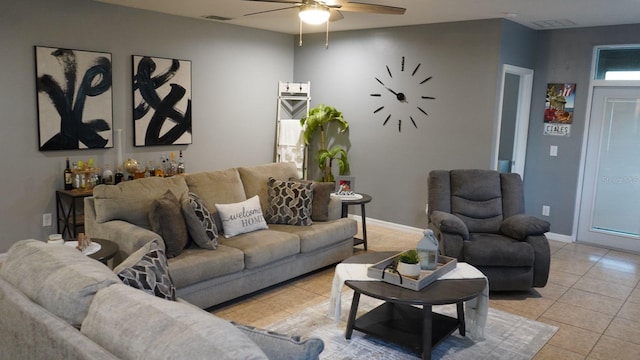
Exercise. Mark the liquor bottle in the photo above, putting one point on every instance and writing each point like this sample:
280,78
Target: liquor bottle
173,166
180,169
68,177
119,175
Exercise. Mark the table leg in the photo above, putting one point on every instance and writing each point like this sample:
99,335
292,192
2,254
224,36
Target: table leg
427,331
364,226
352,315
461,321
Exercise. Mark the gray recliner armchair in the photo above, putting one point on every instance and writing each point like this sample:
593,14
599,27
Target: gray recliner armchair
478,217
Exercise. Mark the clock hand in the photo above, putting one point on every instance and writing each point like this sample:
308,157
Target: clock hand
400,96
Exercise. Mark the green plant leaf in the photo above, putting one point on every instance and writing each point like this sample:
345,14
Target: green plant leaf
318,119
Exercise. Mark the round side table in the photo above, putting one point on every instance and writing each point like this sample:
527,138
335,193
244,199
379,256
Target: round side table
345,212
108,250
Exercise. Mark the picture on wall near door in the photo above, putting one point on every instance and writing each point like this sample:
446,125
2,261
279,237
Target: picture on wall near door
161,101
74,99
558,112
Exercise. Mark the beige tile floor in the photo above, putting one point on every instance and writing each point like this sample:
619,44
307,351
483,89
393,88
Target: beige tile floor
592,296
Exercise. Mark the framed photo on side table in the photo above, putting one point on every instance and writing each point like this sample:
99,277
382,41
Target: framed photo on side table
345,185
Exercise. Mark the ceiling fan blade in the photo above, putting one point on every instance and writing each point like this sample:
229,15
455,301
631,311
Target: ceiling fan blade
335,15
372,8
280,1
272,10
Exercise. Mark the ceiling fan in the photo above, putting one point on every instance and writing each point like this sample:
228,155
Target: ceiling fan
317,12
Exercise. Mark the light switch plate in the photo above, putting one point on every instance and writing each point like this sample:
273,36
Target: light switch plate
553,150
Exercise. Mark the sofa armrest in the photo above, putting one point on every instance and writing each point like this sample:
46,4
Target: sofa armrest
335,208
128,236
449,244
283,347
449,223
520,226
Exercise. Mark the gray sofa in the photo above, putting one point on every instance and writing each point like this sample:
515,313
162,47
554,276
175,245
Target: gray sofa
56,303
239,265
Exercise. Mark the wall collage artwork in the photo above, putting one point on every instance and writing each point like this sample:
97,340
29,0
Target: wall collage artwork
75,100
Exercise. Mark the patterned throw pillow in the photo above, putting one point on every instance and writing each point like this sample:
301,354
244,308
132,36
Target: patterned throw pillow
147,269
200,224
243,217
289,202
321,197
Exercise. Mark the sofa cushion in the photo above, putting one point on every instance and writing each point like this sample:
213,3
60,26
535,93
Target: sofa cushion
165,217
321,197
254,178
57,277
164,330
217,187
497,250
289,202
195,265
200,224
243,217
264,246
147,270
320,234
131,200
281,346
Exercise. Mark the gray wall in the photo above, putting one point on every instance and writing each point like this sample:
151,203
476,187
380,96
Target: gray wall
235,75
563,56
235,72
458,133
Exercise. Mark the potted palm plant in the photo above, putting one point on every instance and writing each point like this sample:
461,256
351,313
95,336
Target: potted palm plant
318,120
409,264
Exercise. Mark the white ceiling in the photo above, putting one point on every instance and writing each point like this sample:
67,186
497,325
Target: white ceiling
536,14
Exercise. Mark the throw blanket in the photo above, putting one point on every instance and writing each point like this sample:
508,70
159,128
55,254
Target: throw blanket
476,310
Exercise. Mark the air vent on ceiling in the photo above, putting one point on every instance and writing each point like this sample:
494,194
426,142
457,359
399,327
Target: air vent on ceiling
554,24
216,17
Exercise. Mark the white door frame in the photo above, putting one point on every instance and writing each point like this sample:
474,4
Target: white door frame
522,117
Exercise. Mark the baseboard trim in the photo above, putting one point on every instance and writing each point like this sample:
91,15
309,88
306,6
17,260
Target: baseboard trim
411,229
560,237
388,225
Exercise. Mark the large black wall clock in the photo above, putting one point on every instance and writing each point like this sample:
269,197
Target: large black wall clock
403,93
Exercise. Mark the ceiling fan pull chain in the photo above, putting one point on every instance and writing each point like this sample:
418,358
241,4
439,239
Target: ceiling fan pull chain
300,42
326,37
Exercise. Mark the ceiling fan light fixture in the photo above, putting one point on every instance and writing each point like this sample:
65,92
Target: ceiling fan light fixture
314,14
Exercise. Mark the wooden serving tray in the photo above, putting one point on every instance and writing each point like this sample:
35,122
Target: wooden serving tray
380,271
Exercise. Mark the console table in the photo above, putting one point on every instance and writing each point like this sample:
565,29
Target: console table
70,217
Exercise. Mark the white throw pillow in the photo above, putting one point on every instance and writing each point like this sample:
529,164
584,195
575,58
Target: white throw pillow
242,217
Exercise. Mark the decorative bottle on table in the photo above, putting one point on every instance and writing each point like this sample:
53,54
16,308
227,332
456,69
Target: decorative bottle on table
68,177
428,251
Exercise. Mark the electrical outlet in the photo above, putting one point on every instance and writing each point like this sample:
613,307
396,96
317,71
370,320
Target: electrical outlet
46,219
553,150
545,210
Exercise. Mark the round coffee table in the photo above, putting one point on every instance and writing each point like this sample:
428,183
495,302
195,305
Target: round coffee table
398,321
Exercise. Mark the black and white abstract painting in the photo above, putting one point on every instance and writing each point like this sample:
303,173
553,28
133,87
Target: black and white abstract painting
161,101
74,99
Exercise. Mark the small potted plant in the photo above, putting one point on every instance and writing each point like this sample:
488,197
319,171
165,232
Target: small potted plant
409,264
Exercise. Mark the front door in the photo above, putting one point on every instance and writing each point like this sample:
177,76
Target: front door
610,203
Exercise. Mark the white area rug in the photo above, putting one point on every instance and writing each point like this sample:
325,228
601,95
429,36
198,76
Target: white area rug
507,336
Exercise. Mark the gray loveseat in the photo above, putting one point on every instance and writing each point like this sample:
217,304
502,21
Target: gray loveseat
56,303
239,265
